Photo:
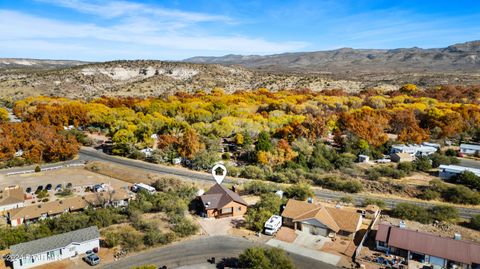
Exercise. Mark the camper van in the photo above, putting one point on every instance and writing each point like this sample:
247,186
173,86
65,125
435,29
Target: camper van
140,186
273,224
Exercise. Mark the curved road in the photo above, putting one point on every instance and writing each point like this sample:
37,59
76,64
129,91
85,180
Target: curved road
95,155
197,251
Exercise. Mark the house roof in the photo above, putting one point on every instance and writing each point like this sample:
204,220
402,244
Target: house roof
335,219
470,146
12,195
458,169
430,244
54,242
218,196
68,204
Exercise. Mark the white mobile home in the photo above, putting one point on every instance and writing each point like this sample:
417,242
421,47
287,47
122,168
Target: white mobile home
140,186
469,149
54,248
449,171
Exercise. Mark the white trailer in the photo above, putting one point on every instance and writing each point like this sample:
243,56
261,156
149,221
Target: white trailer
273,224
140,186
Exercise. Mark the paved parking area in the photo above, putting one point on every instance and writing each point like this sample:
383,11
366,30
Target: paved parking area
307,252
212,226
310,241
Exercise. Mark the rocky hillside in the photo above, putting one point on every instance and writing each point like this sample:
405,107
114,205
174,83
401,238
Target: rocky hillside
351,70
18,63
463,57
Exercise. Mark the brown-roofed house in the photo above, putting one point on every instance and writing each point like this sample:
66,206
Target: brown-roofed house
10,198
320,220
433,250
36,212
219,202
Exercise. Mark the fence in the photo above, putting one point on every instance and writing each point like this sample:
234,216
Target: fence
45,169
365,236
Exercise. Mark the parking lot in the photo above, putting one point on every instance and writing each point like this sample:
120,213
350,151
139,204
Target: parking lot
77,176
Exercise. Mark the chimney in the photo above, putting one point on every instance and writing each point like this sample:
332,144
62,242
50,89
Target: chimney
234,188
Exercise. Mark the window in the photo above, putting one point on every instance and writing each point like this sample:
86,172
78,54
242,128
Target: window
227,210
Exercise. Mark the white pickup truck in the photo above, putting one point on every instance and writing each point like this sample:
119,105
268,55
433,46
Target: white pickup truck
273,224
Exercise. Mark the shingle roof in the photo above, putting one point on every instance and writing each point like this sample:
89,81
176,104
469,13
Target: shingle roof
67,204
218,196
12,196
55,242
430,244
334,218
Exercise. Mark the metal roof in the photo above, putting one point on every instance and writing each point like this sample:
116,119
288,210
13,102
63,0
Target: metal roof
459,169
430,244
470,146
55,242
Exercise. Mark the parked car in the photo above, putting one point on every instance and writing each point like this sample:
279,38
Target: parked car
92,259
48,187
39,188
28,190
69,185
58,187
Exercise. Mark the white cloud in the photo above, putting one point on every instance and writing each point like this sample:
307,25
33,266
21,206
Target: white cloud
113,9
135,28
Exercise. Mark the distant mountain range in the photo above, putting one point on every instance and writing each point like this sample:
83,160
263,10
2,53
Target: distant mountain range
459,57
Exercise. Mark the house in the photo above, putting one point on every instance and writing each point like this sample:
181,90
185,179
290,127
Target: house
469,149
449,171
427,248
401,157
10,198
54,248
219,202
363,158
320,220
35,212
372,211
414,150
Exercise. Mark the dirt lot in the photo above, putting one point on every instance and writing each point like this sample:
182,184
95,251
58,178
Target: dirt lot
78,176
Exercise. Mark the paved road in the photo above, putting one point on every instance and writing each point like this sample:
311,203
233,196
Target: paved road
470,163
198,251
90,154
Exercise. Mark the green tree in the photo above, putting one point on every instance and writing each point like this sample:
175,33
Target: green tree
411,212
299,191
264,142
475,222
443,213
265,258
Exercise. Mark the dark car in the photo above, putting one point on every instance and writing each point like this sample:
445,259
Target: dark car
48,187
58,187
69,185
39,188
92,259
28,190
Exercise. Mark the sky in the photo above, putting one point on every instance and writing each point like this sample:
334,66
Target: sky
100,30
